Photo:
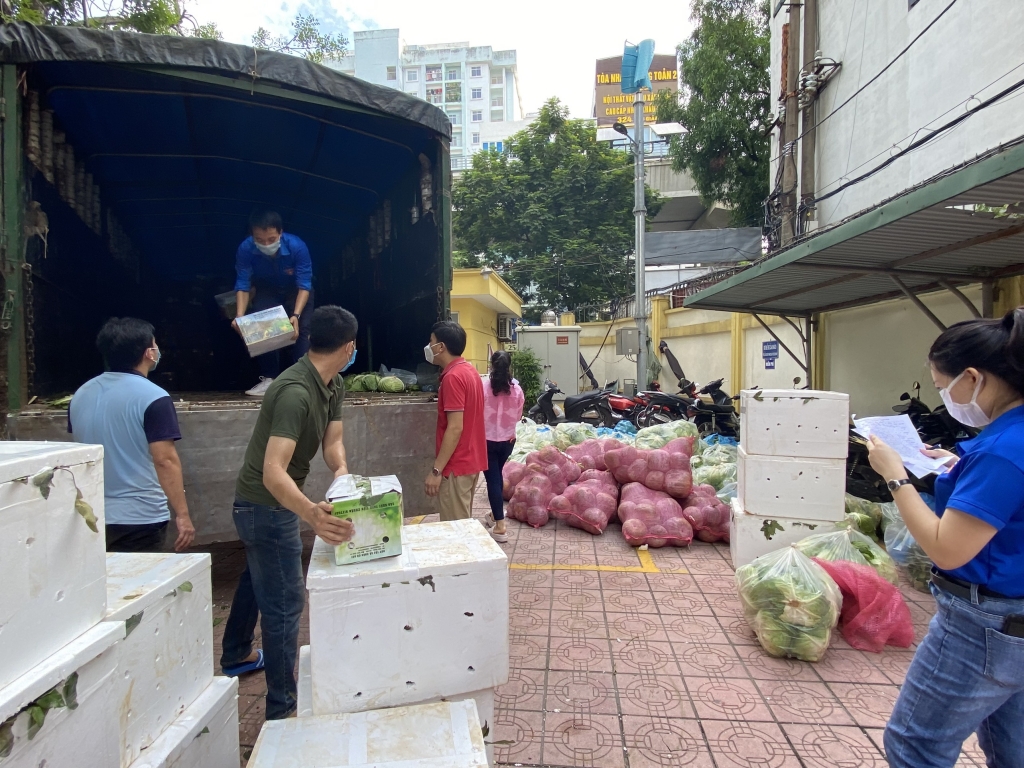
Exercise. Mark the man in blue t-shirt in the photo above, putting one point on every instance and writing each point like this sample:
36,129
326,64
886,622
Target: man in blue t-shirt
134,420
274,269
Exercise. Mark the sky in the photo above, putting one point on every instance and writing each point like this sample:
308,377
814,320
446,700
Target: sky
557,41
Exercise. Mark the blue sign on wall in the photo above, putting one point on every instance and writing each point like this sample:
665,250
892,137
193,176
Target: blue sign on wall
770,350
769,363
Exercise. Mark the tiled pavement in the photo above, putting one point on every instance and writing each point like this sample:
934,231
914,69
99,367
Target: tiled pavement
629,659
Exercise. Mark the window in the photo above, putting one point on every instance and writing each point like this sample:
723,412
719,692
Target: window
497,79
454,317
412,75
433,74
478,115
456,139
497,101
392,73
454,74
435,95
455,118
475,72
478,93
476,138
453,92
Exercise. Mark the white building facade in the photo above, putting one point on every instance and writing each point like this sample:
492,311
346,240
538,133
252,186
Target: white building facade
476,86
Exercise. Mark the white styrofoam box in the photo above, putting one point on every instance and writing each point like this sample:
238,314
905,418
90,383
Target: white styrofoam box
203,736
442,735
84,737
753,535
304,696
52,566
795,422
372,625
806,489
167,658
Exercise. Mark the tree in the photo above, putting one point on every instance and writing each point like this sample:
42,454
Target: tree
161,17
553,214
306,40
724,104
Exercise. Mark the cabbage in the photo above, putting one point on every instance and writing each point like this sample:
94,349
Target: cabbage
852,546
858,521
906,552
790,603
863,508
371,382
391,384
354,383
660,435
715,454
573,434
716,475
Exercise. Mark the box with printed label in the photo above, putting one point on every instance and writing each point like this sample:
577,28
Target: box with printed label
166,658
52,549
266,330
374,506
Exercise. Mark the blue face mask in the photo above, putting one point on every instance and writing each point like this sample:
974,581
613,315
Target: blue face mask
351,360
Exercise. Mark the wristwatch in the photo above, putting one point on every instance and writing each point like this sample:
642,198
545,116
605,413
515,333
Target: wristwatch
435,472
895,485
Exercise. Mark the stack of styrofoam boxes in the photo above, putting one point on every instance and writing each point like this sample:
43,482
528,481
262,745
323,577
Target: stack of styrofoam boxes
439,735
428,625
55,648
792,468
171,709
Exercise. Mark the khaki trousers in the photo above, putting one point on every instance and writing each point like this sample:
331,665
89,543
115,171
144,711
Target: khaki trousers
455,498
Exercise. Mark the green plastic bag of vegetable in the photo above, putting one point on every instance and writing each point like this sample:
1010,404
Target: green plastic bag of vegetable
853,546
660,435
790,603
861,509
717,475
713,455
568,434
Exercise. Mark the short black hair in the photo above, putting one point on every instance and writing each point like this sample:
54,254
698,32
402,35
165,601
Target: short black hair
262,218
123,341
331,328
452,335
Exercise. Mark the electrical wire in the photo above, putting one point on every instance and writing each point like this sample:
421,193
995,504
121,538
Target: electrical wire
922,141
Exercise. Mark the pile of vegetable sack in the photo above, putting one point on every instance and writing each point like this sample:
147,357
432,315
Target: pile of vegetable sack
652,518
590,454
707,514
548,473
589,503
790,602
715,466
568,434
531,437
660,435
511,475
662,469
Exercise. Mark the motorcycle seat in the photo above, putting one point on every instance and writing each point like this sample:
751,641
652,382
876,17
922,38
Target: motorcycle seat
585,397
712,408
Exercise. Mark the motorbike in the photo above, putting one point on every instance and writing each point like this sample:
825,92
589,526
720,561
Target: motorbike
936,427
587,408
718,416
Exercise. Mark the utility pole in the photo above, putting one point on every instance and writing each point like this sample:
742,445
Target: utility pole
789,148
640,211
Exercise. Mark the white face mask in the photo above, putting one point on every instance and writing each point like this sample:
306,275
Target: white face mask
428,353
970,413
268,250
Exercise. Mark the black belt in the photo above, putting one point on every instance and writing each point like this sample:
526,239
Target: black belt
963,589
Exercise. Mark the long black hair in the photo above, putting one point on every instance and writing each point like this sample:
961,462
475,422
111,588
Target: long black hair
992,346
501,374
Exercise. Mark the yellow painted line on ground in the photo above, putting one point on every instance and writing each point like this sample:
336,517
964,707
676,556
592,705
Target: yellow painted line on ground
647,561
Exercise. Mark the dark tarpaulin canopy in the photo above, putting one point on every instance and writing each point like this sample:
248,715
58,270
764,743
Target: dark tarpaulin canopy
186,136
703,246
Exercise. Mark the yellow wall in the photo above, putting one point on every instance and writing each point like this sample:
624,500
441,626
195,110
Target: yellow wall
481,326
471,288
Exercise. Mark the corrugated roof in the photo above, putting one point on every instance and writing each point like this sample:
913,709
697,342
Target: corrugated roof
924,237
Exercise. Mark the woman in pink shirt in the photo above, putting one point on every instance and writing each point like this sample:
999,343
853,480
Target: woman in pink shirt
503,408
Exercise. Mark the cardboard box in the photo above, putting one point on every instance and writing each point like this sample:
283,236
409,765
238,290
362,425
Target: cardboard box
431,623
753,535
83,737
53,565
166,659
203,736
783,486
374,505
442,735
804,423
266,331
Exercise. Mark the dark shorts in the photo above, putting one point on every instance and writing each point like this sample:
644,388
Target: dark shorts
148,537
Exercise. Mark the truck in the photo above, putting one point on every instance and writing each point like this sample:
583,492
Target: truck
129,164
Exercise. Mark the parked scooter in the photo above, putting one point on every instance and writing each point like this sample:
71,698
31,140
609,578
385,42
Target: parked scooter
936,427
587,408
718,416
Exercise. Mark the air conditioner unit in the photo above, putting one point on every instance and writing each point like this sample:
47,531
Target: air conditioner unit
506,328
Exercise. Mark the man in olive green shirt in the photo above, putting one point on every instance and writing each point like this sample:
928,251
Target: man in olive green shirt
300,414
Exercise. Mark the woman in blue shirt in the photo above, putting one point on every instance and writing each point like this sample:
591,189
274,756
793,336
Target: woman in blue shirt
968,673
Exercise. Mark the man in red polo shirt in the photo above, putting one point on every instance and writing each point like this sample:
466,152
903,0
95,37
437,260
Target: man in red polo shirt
461,443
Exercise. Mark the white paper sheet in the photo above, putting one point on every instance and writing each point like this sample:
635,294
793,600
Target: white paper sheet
898,432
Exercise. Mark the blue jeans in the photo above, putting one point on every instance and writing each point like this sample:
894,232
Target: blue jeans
966,676
497,455
270,589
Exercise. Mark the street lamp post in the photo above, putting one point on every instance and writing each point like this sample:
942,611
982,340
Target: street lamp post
640,212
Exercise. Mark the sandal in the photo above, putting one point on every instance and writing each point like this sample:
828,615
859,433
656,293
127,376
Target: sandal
501,538
245,667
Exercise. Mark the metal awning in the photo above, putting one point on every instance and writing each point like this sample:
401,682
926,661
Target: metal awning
928,238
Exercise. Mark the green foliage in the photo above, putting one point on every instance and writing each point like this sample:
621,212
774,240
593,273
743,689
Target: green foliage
724,104
159,17
306,40
208,31
526,369
553,214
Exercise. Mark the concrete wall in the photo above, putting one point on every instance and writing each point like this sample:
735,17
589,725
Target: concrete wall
876,353
481,326
966,57
384,439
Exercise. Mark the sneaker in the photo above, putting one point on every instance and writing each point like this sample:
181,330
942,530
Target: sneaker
260,389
